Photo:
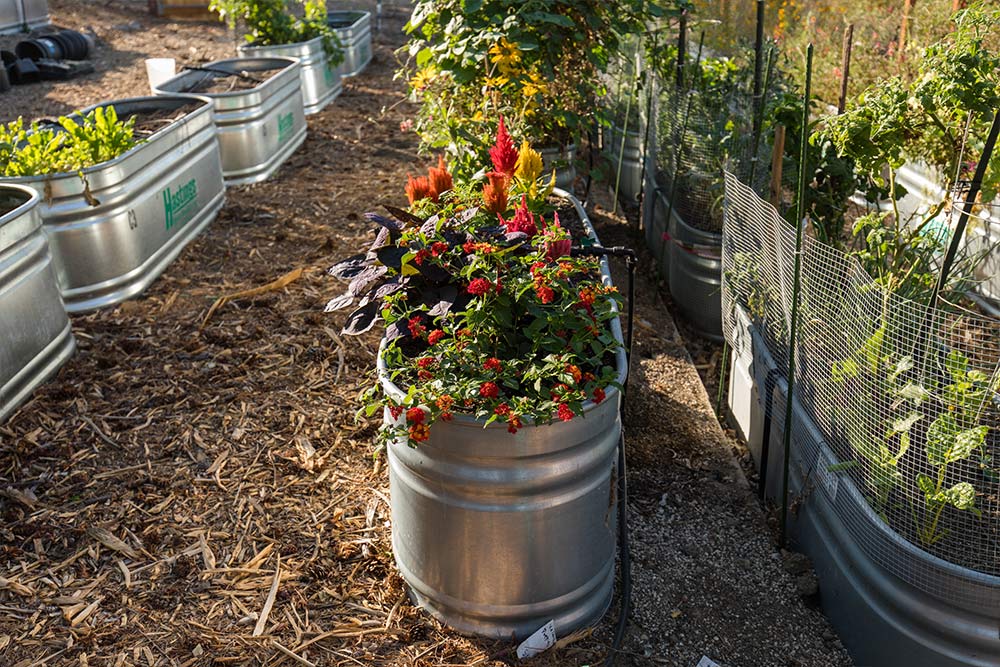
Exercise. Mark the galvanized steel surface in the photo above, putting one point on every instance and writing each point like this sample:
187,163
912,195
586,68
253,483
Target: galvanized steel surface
143,208
496,533
321,84
354,28
696,275
630,179
259,128
35,335
23,15
562,160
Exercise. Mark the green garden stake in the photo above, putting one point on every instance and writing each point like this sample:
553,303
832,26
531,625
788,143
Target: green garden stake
796,288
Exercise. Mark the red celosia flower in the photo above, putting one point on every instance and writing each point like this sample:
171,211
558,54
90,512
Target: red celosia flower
493,364
422,255
416,328
598,395
495,193
480,286
439,248
565,413
420,432
503,154
435,337
556,247
426,362
489,390
418,188
415,415
523,220
439,179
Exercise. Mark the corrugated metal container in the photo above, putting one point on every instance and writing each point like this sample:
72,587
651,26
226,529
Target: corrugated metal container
321,84
497,534
23,15
630,155
259,128
696,275
196,10
115,230
560,159
354,29
940,615
35,335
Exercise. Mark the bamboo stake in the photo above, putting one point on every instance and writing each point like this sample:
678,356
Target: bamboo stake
845,67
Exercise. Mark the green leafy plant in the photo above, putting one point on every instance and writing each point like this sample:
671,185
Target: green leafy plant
487,312
277,22
535,63
76,143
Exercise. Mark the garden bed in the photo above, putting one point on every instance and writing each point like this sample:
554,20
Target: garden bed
182,463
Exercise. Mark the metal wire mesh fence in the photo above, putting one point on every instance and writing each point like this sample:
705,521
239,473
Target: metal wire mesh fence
903,396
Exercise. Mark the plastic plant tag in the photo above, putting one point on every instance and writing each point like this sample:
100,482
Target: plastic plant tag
543,639
707,662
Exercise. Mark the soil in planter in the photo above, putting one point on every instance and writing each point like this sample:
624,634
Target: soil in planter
218,82
148,123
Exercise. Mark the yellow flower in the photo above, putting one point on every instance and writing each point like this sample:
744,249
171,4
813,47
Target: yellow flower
497,81
529,163
423,78
478,117
505,55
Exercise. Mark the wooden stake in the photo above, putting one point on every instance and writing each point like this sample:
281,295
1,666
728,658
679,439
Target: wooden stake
777,163
907,8
845,67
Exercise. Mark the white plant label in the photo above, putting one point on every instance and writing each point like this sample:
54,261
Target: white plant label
707,662
542,640
828,480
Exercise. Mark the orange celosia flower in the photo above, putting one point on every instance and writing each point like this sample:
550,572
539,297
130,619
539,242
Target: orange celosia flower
504,154
439,178
417,188
495,193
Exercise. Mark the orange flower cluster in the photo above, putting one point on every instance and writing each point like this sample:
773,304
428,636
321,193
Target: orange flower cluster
437,181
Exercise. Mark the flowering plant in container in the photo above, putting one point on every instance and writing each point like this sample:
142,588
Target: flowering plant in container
487,312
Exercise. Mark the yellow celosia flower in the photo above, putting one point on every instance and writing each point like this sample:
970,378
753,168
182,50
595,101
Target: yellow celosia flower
529,163
505,55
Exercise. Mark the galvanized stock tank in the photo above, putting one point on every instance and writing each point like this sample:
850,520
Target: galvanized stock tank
354,29
497,534
116,228
260,127
35,335
23,15
321,84
561,159
630,155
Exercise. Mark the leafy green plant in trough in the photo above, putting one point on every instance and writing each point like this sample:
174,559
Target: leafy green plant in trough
77,143
277,22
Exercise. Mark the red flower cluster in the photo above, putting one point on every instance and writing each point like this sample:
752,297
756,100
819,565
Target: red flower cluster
395,411
599,395
504,154
417,329
471,247
556,247
523,220
574,370
489,390
419,432
422,256
493,364
544,293
434,337
426,362
565,413
439,248
437,181
495,192
416,416
479,286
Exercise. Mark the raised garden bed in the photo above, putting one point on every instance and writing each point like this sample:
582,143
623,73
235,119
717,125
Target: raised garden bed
354,28
258,112
321,84
34,328
114,227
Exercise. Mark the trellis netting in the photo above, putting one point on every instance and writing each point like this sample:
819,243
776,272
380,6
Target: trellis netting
904,396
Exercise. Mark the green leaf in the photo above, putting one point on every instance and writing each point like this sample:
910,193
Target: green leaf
961,496
940,438
926,484
967,442
903,424
957,365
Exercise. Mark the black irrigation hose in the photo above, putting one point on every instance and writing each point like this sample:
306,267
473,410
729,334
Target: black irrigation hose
625,560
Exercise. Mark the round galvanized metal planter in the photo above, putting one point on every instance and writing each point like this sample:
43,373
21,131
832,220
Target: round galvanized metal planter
321,84
629,178
354,28
497,534
696,275
35,335
654,222
560,159
23,15
113,231
932,612
258,128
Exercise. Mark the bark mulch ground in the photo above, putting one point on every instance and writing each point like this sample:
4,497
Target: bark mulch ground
193,489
